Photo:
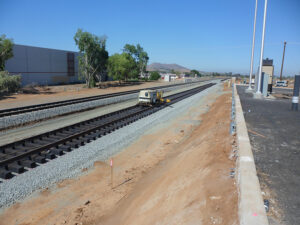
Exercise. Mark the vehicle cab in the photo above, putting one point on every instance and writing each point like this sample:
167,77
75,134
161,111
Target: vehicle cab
281,83
147,97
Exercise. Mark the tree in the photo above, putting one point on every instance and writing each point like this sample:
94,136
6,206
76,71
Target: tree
121,66
139,55
93,56
154,75
195,72
215,74
6,50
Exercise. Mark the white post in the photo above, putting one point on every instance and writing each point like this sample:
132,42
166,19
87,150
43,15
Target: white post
262,49
253,45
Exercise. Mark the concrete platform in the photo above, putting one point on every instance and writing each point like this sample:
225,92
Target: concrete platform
251,206
274,132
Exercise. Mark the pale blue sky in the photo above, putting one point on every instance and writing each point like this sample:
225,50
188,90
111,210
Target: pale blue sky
210,35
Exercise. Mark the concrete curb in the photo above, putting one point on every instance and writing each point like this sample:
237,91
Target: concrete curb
251,206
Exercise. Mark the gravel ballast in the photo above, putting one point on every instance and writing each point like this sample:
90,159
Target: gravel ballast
20,119
71,164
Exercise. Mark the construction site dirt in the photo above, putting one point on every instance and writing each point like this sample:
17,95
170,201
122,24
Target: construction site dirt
177,174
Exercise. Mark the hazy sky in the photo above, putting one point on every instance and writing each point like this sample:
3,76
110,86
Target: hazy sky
209,35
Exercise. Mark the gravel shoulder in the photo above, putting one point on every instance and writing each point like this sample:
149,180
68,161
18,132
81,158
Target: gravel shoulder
67,92
26,131
39,115
146,173
71,164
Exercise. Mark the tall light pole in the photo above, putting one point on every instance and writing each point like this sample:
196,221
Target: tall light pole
282,60
253,45
262,49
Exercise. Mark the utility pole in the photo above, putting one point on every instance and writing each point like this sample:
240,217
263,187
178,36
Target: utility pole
282,60
253,45
262,49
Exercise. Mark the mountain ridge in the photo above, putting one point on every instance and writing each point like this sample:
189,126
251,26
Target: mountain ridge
163,67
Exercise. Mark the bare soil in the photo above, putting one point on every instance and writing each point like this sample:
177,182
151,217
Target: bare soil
176,175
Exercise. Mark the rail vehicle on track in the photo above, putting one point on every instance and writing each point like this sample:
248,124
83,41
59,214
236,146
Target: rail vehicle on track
151,97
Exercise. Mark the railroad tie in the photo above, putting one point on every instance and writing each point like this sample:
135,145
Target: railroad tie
14,167
5,174
27,163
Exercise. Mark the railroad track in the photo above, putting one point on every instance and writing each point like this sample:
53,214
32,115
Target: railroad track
31,152
31,108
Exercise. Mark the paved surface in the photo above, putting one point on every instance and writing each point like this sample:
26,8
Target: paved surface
283,91
274,132
251,207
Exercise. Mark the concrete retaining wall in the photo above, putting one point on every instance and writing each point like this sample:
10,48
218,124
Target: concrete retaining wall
251,206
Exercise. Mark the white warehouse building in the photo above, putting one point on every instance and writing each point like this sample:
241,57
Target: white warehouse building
43,66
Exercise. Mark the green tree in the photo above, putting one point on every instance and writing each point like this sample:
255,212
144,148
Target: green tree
6,50
139,55
195,72
215,74
154,75
93,56
121,66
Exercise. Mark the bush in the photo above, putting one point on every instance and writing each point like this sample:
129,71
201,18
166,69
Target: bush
144,79
154,75
9,83
133,80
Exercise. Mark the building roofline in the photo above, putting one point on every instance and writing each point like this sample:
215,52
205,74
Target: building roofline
46,48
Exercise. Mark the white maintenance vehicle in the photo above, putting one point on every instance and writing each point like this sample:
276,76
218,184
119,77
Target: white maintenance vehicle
281,83
151,97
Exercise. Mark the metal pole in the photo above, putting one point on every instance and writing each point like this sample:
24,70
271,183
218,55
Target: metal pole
253,45
295,98
282,60
262,49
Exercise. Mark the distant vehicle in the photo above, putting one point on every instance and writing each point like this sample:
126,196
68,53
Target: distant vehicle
151,97
281,83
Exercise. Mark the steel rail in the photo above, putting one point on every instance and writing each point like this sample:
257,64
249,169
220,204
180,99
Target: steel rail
31,108
123,117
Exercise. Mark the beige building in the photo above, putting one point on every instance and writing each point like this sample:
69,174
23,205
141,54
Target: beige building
268,69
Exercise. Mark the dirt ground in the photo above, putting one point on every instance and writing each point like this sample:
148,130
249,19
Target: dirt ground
39,95
176,175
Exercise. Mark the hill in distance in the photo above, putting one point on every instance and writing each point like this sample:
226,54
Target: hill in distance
167,67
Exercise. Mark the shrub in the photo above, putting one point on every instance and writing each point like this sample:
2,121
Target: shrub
133,80
9,83
154,75
144,79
